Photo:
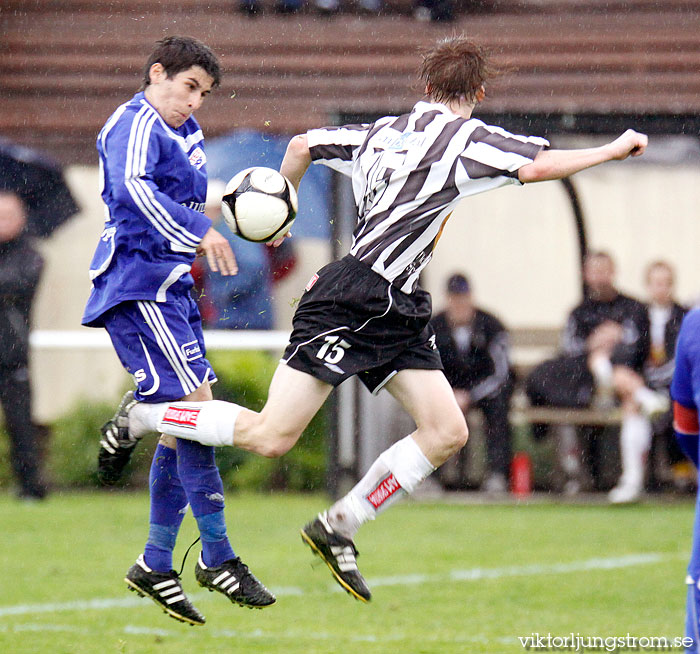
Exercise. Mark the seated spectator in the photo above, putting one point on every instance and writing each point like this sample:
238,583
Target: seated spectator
665,317
255,7
435,10
605,346
334,6
473,346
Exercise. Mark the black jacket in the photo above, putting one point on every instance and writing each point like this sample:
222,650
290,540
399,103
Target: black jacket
633,350
20,271
483,368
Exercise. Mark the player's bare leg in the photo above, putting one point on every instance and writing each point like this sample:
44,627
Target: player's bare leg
294,398
441,431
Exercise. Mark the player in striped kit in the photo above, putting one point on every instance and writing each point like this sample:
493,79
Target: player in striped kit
154,184
365,315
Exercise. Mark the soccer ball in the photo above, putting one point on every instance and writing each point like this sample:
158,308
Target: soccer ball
259,204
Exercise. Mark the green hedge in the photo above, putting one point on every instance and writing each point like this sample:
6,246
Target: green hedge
71,453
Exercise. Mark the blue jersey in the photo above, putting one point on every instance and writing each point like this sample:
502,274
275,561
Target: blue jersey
154,185
685,387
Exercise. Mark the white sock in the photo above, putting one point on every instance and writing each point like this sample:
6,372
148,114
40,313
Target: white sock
398,471
635,440
210,423
602,371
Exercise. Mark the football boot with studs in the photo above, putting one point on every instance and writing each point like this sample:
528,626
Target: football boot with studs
234,580
339,554
164,589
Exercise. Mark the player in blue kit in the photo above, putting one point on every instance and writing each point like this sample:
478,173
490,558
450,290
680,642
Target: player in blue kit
154,185
685,393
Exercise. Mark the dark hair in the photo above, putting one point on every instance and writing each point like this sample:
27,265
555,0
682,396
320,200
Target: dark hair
178,53
455,69
458,284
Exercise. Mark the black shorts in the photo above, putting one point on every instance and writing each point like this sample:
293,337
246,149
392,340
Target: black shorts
352,321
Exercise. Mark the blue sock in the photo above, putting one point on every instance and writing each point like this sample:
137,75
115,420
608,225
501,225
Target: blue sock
168,507
201,480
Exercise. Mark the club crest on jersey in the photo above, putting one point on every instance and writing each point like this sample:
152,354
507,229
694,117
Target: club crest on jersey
311,283
384,490
181,417
198,158
192,351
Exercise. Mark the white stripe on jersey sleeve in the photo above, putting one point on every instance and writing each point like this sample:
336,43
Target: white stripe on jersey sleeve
142,194
184,236
111,123
536,140
495,157
346,138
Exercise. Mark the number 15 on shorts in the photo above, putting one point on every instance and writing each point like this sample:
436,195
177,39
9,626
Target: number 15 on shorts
333,350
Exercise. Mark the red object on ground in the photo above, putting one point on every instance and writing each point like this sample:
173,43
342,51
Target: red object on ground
521,475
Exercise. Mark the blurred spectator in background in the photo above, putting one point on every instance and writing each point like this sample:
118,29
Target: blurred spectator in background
256,7
241,301
20,270
473,347
665,317
605,347
334,6
435,10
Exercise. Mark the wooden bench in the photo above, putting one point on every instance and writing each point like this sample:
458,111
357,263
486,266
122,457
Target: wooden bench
530,346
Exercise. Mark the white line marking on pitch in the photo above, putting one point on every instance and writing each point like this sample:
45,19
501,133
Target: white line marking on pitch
476,574
472,574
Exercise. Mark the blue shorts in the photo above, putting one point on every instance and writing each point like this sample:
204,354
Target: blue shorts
161,345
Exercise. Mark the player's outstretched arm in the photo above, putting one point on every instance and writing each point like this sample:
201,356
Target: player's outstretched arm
296,160
218,252
555,164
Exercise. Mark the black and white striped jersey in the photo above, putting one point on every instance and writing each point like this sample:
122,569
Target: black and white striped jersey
409,172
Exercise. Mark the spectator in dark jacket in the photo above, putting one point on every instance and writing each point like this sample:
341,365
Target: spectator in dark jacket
435,10
20,270
605,347
473,346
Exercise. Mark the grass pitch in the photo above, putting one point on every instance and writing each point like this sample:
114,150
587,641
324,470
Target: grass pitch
446,578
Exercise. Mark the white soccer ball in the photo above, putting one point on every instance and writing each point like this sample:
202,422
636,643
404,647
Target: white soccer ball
259,204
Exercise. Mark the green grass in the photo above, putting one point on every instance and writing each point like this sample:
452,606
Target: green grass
76,547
